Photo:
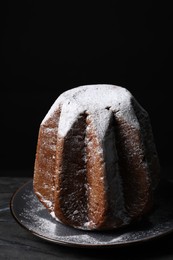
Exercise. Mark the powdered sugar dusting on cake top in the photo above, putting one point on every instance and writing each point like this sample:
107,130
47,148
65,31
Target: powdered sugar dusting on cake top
98,100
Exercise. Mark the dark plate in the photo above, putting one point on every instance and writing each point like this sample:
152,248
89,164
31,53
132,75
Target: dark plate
32,215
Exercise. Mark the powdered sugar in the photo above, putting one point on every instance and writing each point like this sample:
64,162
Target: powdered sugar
96,100
46,202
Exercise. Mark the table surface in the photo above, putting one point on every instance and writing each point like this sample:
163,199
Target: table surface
18,243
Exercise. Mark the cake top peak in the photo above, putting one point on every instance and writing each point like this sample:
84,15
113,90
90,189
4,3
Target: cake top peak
96,95
100,100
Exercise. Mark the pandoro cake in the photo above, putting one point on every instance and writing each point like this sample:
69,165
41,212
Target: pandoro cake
96,164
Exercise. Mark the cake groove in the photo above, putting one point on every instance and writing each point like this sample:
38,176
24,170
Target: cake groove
71,183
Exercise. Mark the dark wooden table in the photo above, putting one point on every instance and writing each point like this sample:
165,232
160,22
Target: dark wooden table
18,243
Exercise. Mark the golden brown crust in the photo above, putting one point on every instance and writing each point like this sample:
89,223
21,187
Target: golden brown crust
97,203
44,171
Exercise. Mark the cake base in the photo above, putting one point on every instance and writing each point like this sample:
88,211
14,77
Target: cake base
34,217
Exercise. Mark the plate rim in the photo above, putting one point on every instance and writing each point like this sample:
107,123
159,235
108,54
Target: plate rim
79,245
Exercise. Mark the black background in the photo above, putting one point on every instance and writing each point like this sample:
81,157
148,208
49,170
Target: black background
49,47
